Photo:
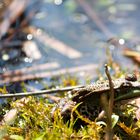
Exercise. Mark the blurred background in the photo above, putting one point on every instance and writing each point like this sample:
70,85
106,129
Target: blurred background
43,39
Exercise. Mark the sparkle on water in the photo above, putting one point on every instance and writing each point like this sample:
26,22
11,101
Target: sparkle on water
122,41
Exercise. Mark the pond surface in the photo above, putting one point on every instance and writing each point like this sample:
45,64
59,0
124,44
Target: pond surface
73,34
68,22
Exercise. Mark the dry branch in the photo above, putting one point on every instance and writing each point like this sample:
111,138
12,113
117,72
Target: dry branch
20,76
14,10
50,91
134,55
24,71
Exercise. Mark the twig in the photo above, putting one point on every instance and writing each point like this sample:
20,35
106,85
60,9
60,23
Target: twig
6,44
49,91
54,98
111,99
131,53
26,70
15,9
109,133
24,76
134,55
24,22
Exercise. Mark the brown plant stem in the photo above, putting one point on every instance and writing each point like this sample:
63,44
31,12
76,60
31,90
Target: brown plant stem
109,131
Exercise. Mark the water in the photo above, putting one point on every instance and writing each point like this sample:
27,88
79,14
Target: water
81,40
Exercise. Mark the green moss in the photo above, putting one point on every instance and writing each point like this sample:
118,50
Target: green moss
34,121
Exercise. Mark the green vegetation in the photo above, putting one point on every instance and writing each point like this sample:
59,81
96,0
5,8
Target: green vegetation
33,121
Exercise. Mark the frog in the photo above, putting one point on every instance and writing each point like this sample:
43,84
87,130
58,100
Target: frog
87,100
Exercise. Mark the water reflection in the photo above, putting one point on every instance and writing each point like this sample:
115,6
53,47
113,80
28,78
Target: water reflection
28,60
121,41
29,37
58,2
74,34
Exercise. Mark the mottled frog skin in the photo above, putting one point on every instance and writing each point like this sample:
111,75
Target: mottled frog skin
88,97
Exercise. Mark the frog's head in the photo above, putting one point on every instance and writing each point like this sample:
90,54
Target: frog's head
130,88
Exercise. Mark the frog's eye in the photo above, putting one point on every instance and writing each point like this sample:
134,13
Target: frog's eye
131,77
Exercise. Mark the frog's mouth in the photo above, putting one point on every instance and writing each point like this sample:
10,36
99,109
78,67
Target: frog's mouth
130,95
